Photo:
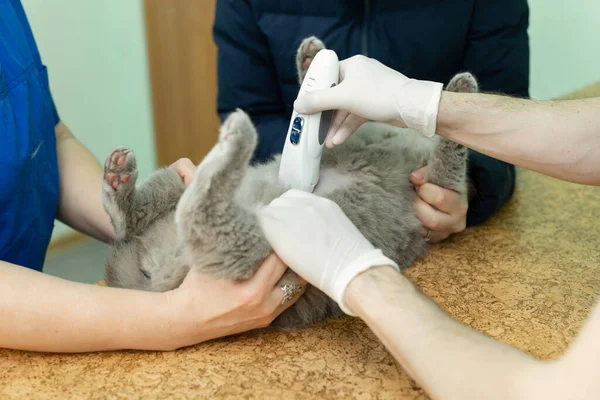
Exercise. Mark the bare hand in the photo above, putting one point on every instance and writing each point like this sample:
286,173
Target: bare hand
441,211
205,308
185,168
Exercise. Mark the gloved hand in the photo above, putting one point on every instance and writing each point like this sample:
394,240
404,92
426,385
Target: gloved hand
369,90
314,237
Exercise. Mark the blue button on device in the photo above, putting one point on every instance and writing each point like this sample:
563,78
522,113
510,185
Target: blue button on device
296,130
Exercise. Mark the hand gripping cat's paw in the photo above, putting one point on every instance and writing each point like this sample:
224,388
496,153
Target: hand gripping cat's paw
120,170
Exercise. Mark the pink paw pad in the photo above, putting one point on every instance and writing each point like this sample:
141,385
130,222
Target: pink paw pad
110,178
114,179
113,169
309,53
307,62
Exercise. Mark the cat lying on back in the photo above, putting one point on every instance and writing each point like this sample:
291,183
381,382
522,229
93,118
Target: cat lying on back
163,228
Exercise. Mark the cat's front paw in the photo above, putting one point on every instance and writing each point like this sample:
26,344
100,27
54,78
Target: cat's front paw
306,52
120,170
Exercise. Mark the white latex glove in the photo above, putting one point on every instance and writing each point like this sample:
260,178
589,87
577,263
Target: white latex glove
314,237
369,90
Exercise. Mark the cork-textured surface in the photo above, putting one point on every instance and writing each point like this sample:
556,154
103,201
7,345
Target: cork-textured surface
528,277
592,90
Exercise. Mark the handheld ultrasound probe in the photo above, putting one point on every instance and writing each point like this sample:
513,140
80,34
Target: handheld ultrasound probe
301,158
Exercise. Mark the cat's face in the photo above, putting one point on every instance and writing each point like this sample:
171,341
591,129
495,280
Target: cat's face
122,269
132,266
152,262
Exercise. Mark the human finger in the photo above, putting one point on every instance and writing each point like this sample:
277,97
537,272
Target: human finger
334,98
433,236
285,294
445,200
432,218
347,128
185,169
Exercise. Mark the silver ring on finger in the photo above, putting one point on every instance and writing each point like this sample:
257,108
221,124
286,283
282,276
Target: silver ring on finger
290,291
427,237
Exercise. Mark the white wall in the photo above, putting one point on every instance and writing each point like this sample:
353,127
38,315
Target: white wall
96,57
565,46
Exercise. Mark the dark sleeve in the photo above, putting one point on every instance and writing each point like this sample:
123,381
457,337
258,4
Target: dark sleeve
497,53
247,78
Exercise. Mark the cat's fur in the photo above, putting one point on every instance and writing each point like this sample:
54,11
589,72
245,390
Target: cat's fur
163,228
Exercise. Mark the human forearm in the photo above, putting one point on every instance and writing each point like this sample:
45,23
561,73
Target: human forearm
440,353
43,313
450,360
558,138
80,204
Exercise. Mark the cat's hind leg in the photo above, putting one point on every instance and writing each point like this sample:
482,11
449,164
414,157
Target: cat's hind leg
306,52
219,236
448,168
132,209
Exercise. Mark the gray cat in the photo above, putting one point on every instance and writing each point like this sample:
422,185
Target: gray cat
163,228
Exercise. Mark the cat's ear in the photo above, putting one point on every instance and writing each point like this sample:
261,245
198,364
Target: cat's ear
463,83
306,52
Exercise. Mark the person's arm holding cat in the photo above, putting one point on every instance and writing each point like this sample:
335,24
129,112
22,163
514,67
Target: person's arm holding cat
556,138
44,313
496,51
40,312
449,359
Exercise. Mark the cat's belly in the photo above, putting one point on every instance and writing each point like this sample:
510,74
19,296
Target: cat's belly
261,184
410,148
331,179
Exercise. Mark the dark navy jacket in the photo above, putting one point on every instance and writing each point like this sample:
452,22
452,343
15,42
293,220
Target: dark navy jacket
423,39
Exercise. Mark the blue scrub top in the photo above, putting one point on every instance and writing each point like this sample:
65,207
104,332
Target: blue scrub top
29,182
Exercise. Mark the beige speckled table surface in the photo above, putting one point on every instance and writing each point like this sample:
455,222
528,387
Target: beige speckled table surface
528,277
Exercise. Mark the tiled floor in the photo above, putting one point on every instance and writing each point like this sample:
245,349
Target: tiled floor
82,263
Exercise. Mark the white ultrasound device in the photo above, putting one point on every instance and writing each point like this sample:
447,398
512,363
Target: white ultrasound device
301,158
